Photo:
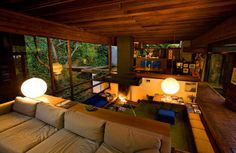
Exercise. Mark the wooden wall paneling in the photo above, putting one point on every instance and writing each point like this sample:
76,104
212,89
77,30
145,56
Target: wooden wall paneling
231,90
225,30
22,24
8,87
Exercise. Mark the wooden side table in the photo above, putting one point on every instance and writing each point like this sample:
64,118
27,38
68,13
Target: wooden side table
50,99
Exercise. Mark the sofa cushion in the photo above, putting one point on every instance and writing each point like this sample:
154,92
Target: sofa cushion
129,139
200,134
107,149
6,107
25,106
197,124
84,125
11,119
23,137
50,114
65,141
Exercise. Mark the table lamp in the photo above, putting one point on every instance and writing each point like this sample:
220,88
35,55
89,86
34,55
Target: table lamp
34,87
169,86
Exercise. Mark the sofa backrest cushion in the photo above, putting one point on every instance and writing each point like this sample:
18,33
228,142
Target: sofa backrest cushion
85,125
25,106
129,139
50,114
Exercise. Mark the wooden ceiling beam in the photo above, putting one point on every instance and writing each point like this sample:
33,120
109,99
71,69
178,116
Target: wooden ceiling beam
77,6
223,31
22,24
109,22
187,12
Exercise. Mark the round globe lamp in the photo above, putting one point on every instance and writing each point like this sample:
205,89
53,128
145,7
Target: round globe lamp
170,86
34,87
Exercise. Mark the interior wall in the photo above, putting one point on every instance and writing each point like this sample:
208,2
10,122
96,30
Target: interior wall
151,87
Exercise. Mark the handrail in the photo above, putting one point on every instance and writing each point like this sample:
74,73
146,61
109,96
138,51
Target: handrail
75,85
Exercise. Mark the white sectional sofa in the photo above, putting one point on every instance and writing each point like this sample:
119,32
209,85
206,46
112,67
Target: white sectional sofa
35,127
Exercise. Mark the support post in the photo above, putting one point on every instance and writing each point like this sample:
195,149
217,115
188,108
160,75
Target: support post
109,58
70,70
50,65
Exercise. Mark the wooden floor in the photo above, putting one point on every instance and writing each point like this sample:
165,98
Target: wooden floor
220,120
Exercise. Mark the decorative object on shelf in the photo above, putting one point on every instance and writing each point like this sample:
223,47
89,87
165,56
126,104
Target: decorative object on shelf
90,108
170,86
192,98
34,87
185,70
190,87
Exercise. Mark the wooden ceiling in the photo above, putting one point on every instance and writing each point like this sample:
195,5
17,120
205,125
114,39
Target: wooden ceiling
145,20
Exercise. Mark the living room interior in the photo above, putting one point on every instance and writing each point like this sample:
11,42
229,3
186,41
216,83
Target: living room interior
118,76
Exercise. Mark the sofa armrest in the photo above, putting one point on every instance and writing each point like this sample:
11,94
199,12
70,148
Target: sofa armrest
6,107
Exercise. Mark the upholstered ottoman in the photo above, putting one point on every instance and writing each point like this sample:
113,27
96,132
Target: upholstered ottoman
165,115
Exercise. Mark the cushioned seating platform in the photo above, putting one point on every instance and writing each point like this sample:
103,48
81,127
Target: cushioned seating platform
11,119
167,116
21,138
66,142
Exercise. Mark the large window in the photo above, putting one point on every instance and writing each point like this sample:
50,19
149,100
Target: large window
37,58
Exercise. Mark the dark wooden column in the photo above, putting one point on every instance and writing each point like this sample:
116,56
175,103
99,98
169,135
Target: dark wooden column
231,91
70,70
125,54
50,65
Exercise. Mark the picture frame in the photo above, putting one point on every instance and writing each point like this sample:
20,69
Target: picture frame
179,64
233,77
192,66
185,70
185,65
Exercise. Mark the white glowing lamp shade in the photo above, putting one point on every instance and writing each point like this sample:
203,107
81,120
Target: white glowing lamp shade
170,86
34,87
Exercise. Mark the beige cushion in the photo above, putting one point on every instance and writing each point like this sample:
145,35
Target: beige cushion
51,114
203,146
23,137
200,134
129,139
107,149
6,107
11,119
25,106
85,125
193,116
65,142
197,124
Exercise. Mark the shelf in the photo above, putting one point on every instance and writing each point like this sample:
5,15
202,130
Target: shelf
163,76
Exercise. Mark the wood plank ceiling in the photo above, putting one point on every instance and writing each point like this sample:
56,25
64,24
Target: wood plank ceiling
145,20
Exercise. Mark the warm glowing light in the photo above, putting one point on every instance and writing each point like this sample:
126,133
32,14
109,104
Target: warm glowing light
57,68
34,87
122,99
170,86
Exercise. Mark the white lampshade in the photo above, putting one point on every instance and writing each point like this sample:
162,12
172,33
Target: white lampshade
34,87
170,86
